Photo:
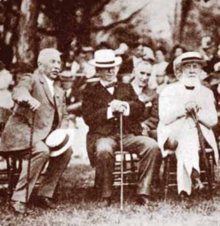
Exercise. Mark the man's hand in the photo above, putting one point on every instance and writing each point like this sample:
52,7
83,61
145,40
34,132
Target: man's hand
118,106
192,107
33,103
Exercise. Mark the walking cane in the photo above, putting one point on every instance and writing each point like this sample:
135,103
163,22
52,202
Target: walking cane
122,163
203,151
30,156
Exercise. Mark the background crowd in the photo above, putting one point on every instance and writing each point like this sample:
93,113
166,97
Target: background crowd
77,72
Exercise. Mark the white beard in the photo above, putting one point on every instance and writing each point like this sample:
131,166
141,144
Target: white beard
191,82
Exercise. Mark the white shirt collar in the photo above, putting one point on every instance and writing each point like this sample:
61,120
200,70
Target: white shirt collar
50,84
138,90
110,89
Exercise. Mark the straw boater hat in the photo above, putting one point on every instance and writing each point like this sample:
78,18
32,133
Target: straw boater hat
190,57
59,141
105,58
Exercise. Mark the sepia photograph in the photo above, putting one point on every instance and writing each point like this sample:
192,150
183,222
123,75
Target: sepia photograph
109,112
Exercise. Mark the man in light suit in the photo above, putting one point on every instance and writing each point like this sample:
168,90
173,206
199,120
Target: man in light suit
177,130
102,104
38,94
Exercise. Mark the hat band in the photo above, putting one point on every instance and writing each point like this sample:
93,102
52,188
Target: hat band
191,58
108,62
62,144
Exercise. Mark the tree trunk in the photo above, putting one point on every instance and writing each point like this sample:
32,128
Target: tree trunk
177,22
27,29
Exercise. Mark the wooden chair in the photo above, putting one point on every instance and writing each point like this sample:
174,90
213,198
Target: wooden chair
10,175
13,160
170,175
130,172
130,169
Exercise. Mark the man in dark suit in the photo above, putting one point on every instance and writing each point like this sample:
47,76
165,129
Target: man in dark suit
38,94
102,104
149,120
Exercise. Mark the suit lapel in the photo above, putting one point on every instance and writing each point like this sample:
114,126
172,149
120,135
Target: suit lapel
56,96
47,90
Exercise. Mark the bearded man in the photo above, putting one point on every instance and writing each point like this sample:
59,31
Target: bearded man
177,130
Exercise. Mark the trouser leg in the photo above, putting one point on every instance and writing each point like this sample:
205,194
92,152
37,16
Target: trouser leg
104,161
40,154
150,156
56,167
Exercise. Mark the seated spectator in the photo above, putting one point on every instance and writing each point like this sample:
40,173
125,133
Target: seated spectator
149,97
160,66
131,59
37,93
81,65
73,106
103,102
161,80
208,50
176,51
177,130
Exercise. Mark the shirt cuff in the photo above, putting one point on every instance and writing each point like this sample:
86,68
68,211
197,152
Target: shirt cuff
127,112
109,113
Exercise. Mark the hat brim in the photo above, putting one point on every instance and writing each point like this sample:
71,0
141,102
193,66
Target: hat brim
64,148
117,62
201,62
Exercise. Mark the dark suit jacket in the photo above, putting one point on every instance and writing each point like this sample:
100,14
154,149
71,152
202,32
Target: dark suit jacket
150,116
16,134
94,109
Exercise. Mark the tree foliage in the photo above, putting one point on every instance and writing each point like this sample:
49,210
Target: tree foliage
60,22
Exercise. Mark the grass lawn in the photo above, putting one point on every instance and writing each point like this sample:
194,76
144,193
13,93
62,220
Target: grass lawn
76,201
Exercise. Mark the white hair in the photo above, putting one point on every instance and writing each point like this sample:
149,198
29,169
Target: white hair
47,53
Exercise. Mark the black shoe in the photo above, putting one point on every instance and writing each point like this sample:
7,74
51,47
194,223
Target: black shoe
20,208
46,203
144,200
104,202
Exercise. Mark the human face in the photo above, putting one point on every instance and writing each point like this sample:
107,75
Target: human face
142,73
107,74
51,66
66,84
160,78
159,56
191,73
138,52
178,52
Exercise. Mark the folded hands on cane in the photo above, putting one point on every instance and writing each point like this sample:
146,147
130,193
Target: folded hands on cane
119,106
192,108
